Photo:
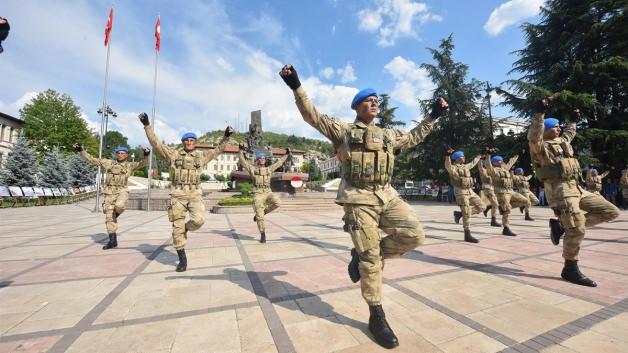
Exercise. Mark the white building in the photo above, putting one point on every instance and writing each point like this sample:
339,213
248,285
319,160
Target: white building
9,131
330,165
508,126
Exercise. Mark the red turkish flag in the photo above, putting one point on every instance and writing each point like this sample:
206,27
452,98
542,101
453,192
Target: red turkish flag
108,26
158,34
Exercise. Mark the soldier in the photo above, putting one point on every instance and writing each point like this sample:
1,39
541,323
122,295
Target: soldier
623,184
502,183
488,193
460,178
556,166
593,181
262,194
367,153
522,183
186,195
115,190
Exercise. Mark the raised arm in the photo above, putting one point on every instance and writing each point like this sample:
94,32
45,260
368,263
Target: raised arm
279,163
511,162
603,175
211,154
529,177
489,165
144,162
448,163
165,151
105,163
405,140
473,162
243,162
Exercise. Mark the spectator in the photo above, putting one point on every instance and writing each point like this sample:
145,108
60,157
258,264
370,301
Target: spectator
610,190
542,200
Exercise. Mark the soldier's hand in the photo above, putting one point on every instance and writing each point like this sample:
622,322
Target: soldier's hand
146,152
489,150
229,131
77,147
448,149
290,76
543,104
241,147
144,119
438,108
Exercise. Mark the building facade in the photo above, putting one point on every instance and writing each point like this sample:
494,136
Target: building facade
9,131
327,166
508,126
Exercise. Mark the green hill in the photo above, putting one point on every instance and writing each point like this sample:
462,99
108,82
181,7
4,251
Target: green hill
277,140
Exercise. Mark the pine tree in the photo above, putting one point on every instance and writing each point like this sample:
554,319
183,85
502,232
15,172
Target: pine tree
54,173
386,114
80,172
21,168
578,53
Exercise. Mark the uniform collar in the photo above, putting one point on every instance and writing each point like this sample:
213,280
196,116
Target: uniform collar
184,152
361,124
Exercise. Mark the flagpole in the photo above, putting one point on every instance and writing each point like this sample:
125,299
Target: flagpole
152,122
102,127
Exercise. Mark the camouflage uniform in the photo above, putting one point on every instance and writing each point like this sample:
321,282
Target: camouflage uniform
522,183
556,167
488,193
594,182
262,194
460,178
370,203
115,189
502,184
186,195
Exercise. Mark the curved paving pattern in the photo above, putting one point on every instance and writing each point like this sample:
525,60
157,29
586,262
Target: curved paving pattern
59,292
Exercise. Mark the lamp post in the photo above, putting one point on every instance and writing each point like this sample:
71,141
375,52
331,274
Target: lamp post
104,121
489,88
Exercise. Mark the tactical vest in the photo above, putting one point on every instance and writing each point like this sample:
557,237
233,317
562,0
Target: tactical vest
118,174
261,179
521,183
372,159
503,179
187,170
566,166
487,181
594,183
461,177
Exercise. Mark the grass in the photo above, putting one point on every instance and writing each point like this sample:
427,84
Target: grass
236,200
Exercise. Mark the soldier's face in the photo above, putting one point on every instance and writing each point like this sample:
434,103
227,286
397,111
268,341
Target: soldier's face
460,160
368,109
261,161
498,163
189,144
120,156
552,133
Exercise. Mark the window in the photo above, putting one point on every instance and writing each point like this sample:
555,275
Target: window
215,166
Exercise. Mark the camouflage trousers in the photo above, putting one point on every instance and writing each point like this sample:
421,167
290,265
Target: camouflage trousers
531,197
182,204
264,202
571,213
469,205
489,198
112,206
397,219
508,201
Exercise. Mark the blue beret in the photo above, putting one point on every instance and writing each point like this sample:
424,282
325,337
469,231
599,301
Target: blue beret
260,155
189,135
550,123
362,95
496,159
593,170
518,170
122,149
457,155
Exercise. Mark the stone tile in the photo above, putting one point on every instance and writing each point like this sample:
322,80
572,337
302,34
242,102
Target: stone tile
557,349
34,345
615,327
591,341
473,343
214,332
434,326
7,321
320,335
255,337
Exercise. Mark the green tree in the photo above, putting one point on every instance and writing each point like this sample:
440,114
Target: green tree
54,173
112,140
80,172
20,168
578,53
464,127
387,114
53,120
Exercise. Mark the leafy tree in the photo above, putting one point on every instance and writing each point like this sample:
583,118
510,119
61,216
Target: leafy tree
578,53
53,120
463,127
20,168
387,114
54,173
80,172
112,140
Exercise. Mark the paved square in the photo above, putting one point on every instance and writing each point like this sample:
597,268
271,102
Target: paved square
60,292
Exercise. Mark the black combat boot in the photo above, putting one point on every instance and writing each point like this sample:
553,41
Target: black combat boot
468,237
457,216
353,268
556,230
494,222
113,242
378,326
528,218
571,273
521,209
488,208
508,232
263,237
183,261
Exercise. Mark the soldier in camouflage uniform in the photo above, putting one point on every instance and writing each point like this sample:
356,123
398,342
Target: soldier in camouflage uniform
186,196
367,154
623,185
460,177
488,193
556,166
264,201
593,181
522,183
502,183
115,190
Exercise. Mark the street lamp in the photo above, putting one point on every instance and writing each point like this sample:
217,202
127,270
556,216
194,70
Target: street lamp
104,121
489,88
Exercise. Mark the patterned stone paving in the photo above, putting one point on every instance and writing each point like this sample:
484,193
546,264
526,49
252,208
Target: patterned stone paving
59,292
